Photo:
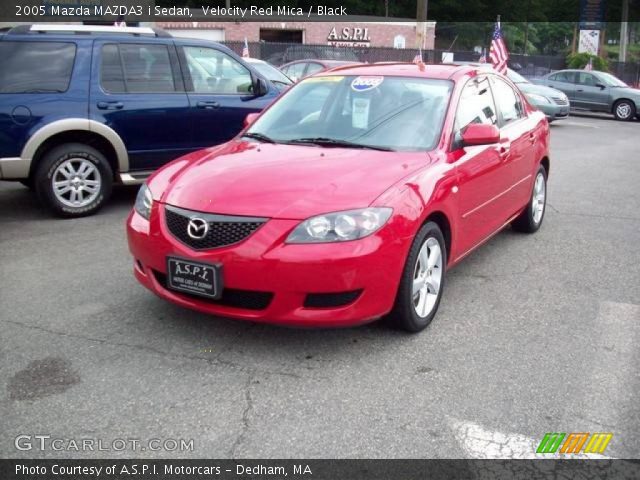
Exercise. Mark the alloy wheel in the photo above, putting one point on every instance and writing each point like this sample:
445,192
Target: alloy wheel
427,277
76,182
539,198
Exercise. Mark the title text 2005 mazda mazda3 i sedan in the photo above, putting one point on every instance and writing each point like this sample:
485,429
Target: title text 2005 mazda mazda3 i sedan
348,199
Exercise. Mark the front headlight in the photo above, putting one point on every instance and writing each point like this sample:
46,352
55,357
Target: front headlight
144,201
535,98
340,226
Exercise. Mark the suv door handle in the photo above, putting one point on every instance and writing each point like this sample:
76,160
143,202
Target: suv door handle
110,105
209,105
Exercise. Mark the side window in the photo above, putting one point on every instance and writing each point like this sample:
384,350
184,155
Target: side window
507,100
27,67
136,68
215,72
566,77
295,71
476,105
586,79
313,68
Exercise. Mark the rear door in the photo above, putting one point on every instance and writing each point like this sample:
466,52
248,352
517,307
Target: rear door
563,81
589,95
517,138
137,90
220,91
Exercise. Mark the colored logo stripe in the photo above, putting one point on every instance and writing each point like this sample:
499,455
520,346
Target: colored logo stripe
550,442
574,443
598,443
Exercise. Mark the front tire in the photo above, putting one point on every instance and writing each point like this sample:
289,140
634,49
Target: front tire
530,219
624,110
73,180
422,281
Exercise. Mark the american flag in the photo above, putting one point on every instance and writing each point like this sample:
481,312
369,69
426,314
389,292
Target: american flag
589,66
498,52
483,58
418,57
245,49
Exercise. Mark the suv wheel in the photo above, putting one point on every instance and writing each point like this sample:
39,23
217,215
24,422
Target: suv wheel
624,110
73,180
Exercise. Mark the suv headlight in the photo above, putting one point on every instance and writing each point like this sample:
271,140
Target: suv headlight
144,201
340,226
535,98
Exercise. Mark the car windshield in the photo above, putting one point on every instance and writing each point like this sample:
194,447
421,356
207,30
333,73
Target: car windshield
385,113
271,73
516,77
611,81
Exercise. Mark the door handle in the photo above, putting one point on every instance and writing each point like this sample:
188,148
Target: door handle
579,90
505,151
110,105
532,138
209,105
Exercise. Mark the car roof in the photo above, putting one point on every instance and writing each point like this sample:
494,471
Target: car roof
406,69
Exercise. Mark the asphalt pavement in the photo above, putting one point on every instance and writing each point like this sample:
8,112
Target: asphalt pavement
535,333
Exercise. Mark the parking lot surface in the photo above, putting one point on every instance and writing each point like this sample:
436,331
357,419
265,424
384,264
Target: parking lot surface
535,334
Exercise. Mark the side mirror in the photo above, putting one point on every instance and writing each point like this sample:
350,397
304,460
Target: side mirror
480,134
260,87
602,86
250,118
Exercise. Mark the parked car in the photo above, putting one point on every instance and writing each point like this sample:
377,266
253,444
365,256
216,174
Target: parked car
82,107
553,103
268,71
339,218
596,92
301,52
303,68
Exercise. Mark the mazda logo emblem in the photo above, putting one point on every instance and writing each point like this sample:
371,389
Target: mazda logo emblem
197,228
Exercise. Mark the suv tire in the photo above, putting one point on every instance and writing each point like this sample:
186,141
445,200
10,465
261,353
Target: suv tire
73,180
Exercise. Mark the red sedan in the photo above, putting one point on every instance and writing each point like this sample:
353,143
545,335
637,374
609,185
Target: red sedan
346,200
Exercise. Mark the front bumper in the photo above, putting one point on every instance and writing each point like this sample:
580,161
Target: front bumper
554,111
264,264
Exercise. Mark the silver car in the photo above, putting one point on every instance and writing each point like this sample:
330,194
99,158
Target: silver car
596,91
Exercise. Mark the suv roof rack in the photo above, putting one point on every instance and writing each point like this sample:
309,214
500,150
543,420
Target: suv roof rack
88,29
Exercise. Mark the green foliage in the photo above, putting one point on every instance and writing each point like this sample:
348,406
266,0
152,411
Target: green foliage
580,60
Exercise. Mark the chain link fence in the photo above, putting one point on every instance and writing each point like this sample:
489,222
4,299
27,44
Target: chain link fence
530,66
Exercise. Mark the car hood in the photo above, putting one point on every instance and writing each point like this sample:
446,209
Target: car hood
539,90
286,181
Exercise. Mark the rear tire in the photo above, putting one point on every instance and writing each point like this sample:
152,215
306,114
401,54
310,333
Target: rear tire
422,281
624,110
530,219
73,180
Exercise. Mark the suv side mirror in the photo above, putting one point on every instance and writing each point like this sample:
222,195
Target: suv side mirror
480,134
260,87
250,118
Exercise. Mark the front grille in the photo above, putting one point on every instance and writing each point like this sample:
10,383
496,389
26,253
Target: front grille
223,230
231,297
329,300
561,100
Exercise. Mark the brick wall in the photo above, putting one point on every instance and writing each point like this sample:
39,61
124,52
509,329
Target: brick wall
380,34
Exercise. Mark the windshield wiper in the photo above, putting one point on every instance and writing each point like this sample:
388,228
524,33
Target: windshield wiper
323,141
259,136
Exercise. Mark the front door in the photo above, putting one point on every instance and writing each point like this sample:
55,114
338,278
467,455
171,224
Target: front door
220,91
139,93
563,81
591,93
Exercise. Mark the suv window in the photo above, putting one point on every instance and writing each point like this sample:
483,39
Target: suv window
507,100
213,71
136,68
476,105
27,67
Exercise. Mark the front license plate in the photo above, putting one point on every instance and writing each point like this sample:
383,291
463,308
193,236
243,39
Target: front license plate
202,279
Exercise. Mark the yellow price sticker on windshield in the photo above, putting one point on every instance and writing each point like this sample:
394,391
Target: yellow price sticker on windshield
331,78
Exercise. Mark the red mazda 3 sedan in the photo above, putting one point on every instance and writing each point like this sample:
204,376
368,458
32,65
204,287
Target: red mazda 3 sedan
346,200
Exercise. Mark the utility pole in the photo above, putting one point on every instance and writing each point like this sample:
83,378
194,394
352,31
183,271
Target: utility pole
421,24
624,32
